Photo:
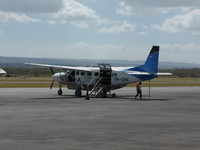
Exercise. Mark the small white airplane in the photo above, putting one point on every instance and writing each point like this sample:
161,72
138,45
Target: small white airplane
104,78
2,71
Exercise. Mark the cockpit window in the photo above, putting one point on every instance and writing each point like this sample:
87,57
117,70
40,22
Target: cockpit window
68,71
107,66
62,73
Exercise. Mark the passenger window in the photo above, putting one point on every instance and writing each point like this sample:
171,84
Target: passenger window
96,74
114,74
82,73
89,73
77,73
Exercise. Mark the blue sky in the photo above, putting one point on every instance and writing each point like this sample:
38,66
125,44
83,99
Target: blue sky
101,29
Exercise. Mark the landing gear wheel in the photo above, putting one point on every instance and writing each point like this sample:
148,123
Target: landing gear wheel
60,92
113,95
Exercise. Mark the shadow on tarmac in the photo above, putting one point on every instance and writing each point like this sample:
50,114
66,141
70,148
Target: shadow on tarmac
132,98
124,97
60,97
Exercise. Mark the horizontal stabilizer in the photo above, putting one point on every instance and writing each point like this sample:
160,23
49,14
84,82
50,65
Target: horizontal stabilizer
2,71
137,73
164,74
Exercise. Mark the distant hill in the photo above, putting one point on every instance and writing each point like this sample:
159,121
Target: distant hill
18,62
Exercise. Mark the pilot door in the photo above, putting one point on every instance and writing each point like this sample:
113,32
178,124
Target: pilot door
105,74
71,76
71,79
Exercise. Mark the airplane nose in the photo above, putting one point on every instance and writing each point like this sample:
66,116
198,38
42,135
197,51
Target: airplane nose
56,77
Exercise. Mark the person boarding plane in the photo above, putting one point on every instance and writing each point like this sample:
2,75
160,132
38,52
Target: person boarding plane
104,78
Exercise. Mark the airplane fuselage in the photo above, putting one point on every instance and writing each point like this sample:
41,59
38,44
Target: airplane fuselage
118,79
104,78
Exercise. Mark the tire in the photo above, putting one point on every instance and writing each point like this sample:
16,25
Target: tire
60,92
113,95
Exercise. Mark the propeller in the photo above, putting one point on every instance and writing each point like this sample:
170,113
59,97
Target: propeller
52,71
51,86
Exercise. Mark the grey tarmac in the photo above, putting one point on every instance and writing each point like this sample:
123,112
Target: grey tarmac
39,119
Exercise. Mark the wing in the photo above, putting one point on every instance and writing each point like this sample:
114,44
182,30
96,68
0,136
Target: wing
2,71
60,67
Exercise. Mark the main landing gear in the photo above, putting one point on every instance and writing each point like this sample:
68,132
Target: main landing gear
60,92
112,95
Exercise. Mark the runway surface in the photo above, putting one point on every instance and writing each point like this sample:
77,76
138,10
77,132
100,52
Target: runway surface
38,119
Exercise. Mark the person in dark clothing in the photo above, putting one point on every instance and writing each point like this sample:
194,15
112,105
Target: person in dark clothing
139,89
78,91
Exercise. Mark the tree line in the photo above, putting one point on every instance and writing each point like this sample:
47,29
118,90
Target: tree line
30,72
45,72
183,73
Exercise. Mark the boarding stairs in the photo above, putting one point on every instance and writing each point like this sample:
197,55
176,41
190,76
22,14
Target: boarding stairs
102,85
97,89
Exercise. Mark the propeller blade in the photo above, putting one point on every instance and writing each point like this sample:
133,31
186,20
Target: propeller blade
52,71
52,84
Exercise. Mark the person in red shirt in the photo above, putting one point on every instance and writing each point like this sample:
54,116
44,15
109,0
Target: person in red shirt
139,89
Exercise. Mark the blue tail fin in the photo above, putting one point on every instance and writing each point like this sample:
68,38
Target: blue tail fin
151,63
150,66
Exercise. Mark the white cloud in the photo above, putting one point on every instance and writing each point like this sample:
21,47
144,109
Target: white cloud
80,46
10,17
75,11
180,52
82,50
98,51
124,10
79,24
180,48
30,6
161,3
142,33
124,27
155,6
77,14
51,22
59,11
186,22
63,22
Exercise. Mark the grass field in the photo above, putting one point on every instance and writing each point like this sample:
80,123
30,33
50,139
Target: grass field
17,82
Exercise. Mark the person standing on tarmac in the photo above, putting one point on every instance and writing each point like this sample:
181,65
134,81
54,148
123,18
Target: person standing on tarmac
139,90
78,92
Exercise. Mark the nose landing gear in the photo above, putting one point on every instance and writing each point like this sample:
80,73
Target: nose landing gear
60,92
